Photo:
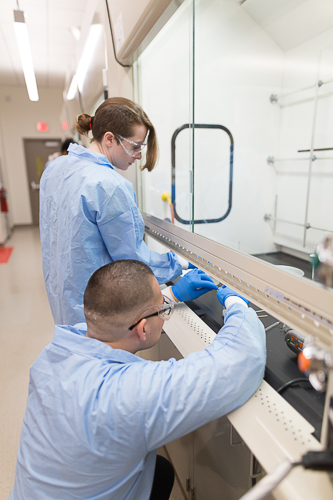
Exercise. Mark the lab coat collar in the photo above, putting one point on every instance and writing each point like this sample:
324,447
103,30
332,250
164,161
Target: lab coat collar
81,152
73,338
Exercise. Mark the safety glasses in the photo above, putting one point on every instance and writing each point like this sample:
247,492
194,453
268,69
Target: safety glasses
135,148
164,311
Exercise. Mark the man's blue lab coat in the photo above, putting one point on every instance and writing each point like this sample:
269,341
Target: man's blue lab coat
96,415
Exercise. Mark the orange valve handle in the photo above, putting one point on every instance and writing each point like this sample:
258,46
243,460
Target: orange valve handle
303,363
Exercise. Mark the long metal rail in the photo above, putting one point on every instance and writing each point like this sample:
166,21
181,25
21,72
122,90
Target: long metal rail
302,304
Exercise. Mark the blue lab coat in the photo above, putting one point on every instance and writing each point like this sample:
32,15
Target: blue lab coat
96,415
88,218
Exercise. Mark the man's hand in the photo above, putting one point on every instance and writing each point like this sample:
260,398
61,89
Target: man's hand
224,292
192,285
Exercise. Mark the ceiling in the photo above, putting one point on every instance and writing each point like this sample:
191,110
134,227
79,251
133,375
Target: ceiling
291,22
53,45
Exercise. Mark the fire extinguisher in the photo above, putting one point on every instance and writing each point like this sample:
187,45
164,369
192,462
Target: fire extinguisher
3,200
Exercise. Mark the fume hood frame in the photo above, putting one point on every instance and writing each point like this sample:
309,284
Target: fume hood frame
303,305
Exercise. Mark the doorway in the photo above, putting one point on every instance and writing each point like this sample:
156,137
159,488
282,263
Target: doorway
37,152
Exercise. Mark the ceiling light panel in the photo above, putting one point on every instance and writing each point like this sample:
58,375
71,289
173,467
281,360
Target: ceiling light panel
22,37
50,38
87,54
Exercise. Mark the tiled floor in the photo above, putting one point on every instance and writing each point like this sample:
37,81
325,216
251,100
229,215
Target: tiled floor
26,327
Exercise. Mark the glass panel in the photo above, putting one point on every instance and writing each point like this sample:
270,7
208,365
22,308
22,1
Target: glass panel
165,93
267,77
262,176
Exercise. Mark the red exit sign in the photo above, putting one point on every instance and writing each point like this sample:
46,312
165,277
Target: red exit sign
42,127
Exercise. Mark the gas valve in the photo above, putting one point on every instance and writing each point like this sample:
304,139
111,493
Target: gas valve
315,362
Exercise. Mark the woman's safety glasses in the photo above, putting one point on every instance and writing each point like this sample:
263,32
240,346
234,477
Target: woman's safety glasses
164,311
135,148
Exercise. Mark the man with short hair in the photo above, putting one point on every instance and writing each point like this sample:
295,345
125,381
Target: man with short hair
65,145
96,413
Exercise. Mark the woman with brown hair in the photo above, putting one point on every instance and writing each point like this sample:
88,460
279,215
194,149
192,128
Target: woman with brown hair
88,211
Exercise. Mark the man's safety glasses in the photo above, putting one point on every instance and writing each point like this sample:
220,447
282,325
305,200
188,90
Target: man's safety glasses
136,147
164,311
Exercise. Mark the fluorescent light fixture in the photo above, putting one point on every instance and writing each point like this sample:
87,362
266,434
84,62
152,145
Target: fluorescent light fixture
87,54
25,54
72,89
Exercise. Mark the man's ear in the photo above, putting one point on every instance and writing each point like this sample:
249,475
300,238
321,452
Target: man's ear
141,330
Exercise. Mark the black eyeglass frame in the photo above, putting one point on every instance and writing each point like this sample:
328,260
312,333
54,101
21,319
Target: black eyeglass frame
167,304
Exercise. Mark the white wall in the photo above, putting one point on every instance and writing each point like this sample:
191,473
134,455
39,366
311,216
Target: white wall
132,21
3,183
303,65
18,120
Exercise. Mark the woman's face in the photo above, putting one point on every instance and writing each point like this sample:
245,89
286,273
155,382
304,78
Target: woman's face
117,151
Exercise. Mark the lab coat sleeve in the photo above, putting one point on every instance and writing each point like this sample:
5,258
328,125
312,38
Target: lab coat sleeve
122,228
180,396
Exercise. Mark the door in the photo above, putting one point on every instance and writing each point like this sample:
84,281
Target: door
37,152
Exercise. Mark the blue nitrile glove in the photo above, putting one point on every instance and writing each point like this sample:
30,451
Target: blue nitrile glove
191,266
192,285
224,292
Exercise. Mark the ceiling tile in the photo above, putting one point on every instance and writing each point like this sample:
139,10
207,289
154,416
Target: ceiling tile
52,43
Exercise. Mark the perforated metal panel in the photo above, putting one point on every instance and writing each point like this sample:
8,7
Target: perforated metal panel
187,331
274,431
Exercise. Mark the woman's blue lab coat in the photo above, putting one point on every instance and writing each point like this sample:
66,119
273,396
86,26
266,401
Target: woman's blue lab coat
88,218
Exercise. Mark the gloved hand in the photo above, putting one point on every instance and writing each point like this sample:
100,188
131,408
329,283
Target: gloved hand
192,285
224,292
191,266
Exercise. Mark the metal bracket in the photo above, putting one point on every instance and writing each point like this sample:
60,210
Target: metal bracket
232,442
255,467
